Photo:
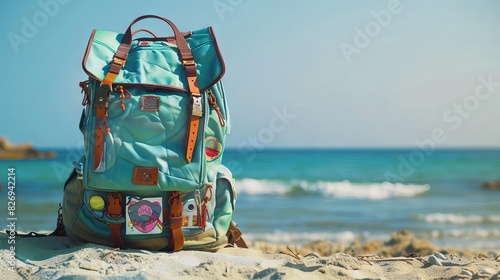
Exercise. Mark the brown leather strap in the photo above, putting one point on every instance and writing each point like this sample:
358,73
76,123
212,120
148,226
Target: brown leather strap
234,236
101,127
115,211
116,235
176,241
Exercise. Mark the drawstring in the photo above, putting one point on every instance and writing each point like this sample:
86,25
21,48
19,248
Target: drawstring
124,94
213,101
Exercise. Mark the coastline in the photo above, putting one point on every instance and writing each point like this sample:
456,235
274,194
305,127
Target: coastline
400,257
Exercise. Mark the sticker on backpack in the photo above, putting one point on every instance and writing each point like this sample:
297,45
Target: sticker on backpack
213,148
190,214
144,215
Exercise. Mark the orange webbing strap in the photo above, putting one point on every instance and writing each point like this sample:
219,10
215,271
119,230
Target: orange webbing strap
115,211
194,122
196,108
234,236
176,241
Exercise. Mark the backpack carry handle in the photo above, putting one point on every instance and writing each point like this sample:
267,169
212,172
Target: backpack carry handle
181,42
144,30
122,52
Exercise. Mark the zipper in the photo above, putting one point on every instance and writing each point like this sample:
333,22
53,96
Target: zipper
161,45
220,86
203,174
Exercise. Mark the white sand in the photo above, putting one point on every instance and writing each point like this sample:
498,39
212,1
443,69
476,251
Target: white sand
60,257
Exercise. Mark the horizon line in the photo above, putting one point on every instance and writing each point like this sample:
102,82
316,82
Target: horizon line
319,148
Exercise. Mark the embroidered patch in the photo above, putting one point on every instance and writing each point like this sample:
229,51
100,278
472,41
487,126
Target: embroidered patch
213,148
144,215
150,103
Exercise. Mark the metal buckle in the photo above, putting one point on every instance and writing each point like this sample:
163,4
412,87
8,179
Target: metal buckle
119,61
109,85
188,62
102,97
197,109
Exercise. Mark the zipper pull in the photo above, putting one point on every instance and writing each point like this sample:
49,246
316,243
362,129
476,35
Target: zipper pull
197,200
85,90
124,94
207,196
213,101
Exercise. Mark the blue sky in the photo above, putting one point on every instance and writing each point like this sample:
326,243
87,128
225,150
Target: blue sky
299,73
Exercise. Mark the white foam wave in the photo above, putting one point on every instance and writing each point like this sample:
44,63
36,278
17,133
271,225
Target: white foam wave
466,233
373,191
447,218
460,238
344,237
341,189
256,187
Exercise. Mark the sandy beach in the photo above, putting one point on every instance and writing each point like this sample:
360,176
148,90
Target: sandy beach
400,257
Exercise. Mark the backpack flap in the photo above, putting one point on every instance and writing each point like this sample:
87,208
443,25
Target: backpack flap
155,62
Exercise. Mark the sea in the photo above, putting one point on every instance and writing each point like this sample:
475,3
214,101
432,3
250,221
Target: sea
296,196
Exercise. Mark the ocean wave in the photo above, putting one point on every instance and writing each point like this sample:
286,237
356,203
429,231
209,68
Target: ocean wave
339,189
471,233
281,237
457,238
447,218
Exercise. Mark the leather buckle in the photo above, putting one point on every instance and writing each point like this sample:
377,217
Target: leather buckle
175,205
114,207
119,61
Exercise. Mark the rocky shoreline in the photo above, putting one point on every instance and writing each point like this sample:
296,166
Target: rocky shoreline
9,151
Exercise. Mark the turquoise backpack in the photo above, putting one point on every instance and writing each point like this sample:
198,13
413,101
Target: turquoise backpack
154,125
